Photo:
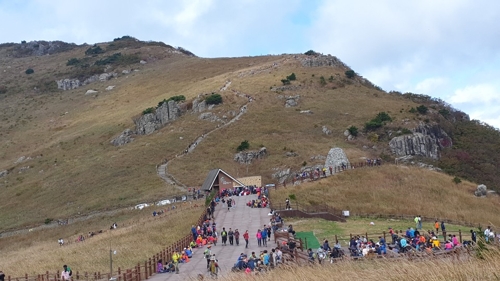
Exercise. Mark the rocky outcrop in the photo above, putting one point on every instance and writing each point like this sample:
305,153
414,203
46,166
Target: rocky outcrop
426,141
336,157
281,175
321,60
3,173
292,101
246,157
164,114
199,106
124,138
41,48
481,190
326,131
70,84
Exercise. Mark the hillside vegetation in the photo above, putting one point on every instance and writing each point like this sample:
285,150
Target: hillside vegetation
70,168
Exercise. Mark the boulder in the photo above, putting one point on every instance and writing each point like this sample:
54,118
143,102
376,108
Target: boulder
306,111
292,101
336,157
124,138
3,173
481,190
281,175
246,157
143,62
109,88
199,105
291,154
68,84
90,92
326,131
20,159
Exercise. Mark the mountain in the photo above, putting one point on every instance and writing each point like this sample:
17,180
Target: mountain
62,105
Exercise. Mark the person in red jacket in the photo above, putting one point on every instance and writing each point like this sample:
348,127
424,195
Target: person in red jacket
245,236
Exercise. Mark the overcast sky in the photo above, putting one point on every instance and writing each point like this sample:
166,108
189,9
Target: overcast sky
448,48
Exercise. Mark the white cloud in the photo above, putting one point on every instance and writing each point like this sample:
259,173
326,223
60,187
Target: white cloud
476,94
431,84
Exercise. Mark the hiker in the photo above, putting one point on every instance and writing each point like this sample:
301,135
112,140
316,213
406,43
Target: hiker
214,266
175,260
443,227
287,204
310,255
231,236
473,236
208,254
60,241
487,234
66,273
237,237
263,235
259,237
436,226
229,203
2,276
224,236
245,236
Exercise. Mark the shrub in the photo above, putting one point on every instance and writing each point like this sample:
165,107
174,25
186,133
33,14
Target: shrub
383,117
372,125
292,197
29,71
330,78
422,109
214,99
285,81
73,61
48,220
445,112
23,42
457,180
304,164
311,53
350,73
322,81
353,131
244,145
373,137
94,50
412,110
406,131
378,121
174,98
148,110
291,77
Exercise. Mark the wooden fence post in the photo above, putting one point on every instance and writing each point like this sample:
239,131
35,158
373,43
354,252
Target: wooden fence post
444,235
367,236
460,235
119,273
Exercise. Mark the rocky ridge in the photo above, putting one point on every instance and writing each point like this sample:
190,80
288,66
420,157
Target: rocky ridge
426,141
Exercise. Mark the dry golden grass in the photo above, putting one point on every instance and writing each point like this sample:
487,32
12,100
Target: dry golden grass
470,268
397,190
138,237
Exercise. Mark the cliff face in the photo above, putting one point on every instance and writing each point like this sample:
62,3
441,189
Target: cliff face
426,141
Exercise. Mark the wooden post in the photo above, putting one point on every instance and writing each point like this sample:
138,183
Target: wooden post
124,277
460,235
366,236
146,269
350,235
26,276
384,236
444,235
119,273
99,274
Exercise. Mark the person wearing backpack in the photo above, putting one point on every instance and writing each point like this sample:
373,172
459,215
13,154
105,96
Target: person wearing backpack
66,273
208,254
176,256
223,234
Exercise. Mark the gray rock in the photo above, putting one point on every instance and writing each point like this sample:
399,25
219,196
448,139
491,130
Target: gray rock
20,159
90,92
347,133
281,175
3,173
124,138
306,112
68,84
481,190
318,157
166,113
143,62
336,157
109,88
426,141
326,131
246,157
199,106
291,154
321,61
292,101
350,137
125,71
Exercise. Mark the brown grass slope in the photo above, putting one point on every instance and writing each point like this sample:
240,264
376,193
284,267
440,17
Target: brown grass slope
75,170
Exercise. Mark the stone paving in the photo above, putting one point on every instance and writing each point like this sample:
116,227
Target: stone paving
239,217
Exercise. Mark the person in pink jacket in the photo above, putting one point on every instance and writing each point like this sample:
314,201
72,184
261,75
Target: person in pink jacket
259,238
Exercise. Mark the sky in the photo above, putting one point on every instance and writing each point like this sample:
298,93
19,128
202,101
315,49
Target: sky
448,49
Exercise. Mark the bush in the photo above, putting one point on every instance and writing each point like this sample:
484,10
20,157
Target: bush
244,145
350,73
148,110
73,61
445,112
422,109
412,110
382,117
214,99
292,197
94,50
291,77
174,98
48,220
285,81
311,53
373,137
304,164
322,81
378,121
29,71
457,180
353,131
331,78
372,125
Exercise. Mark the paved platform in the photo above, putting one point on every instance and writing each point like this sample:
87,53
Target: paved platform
239,217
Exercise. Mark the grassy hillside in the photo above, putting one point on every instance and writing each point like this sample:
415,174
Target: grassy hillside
72,169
